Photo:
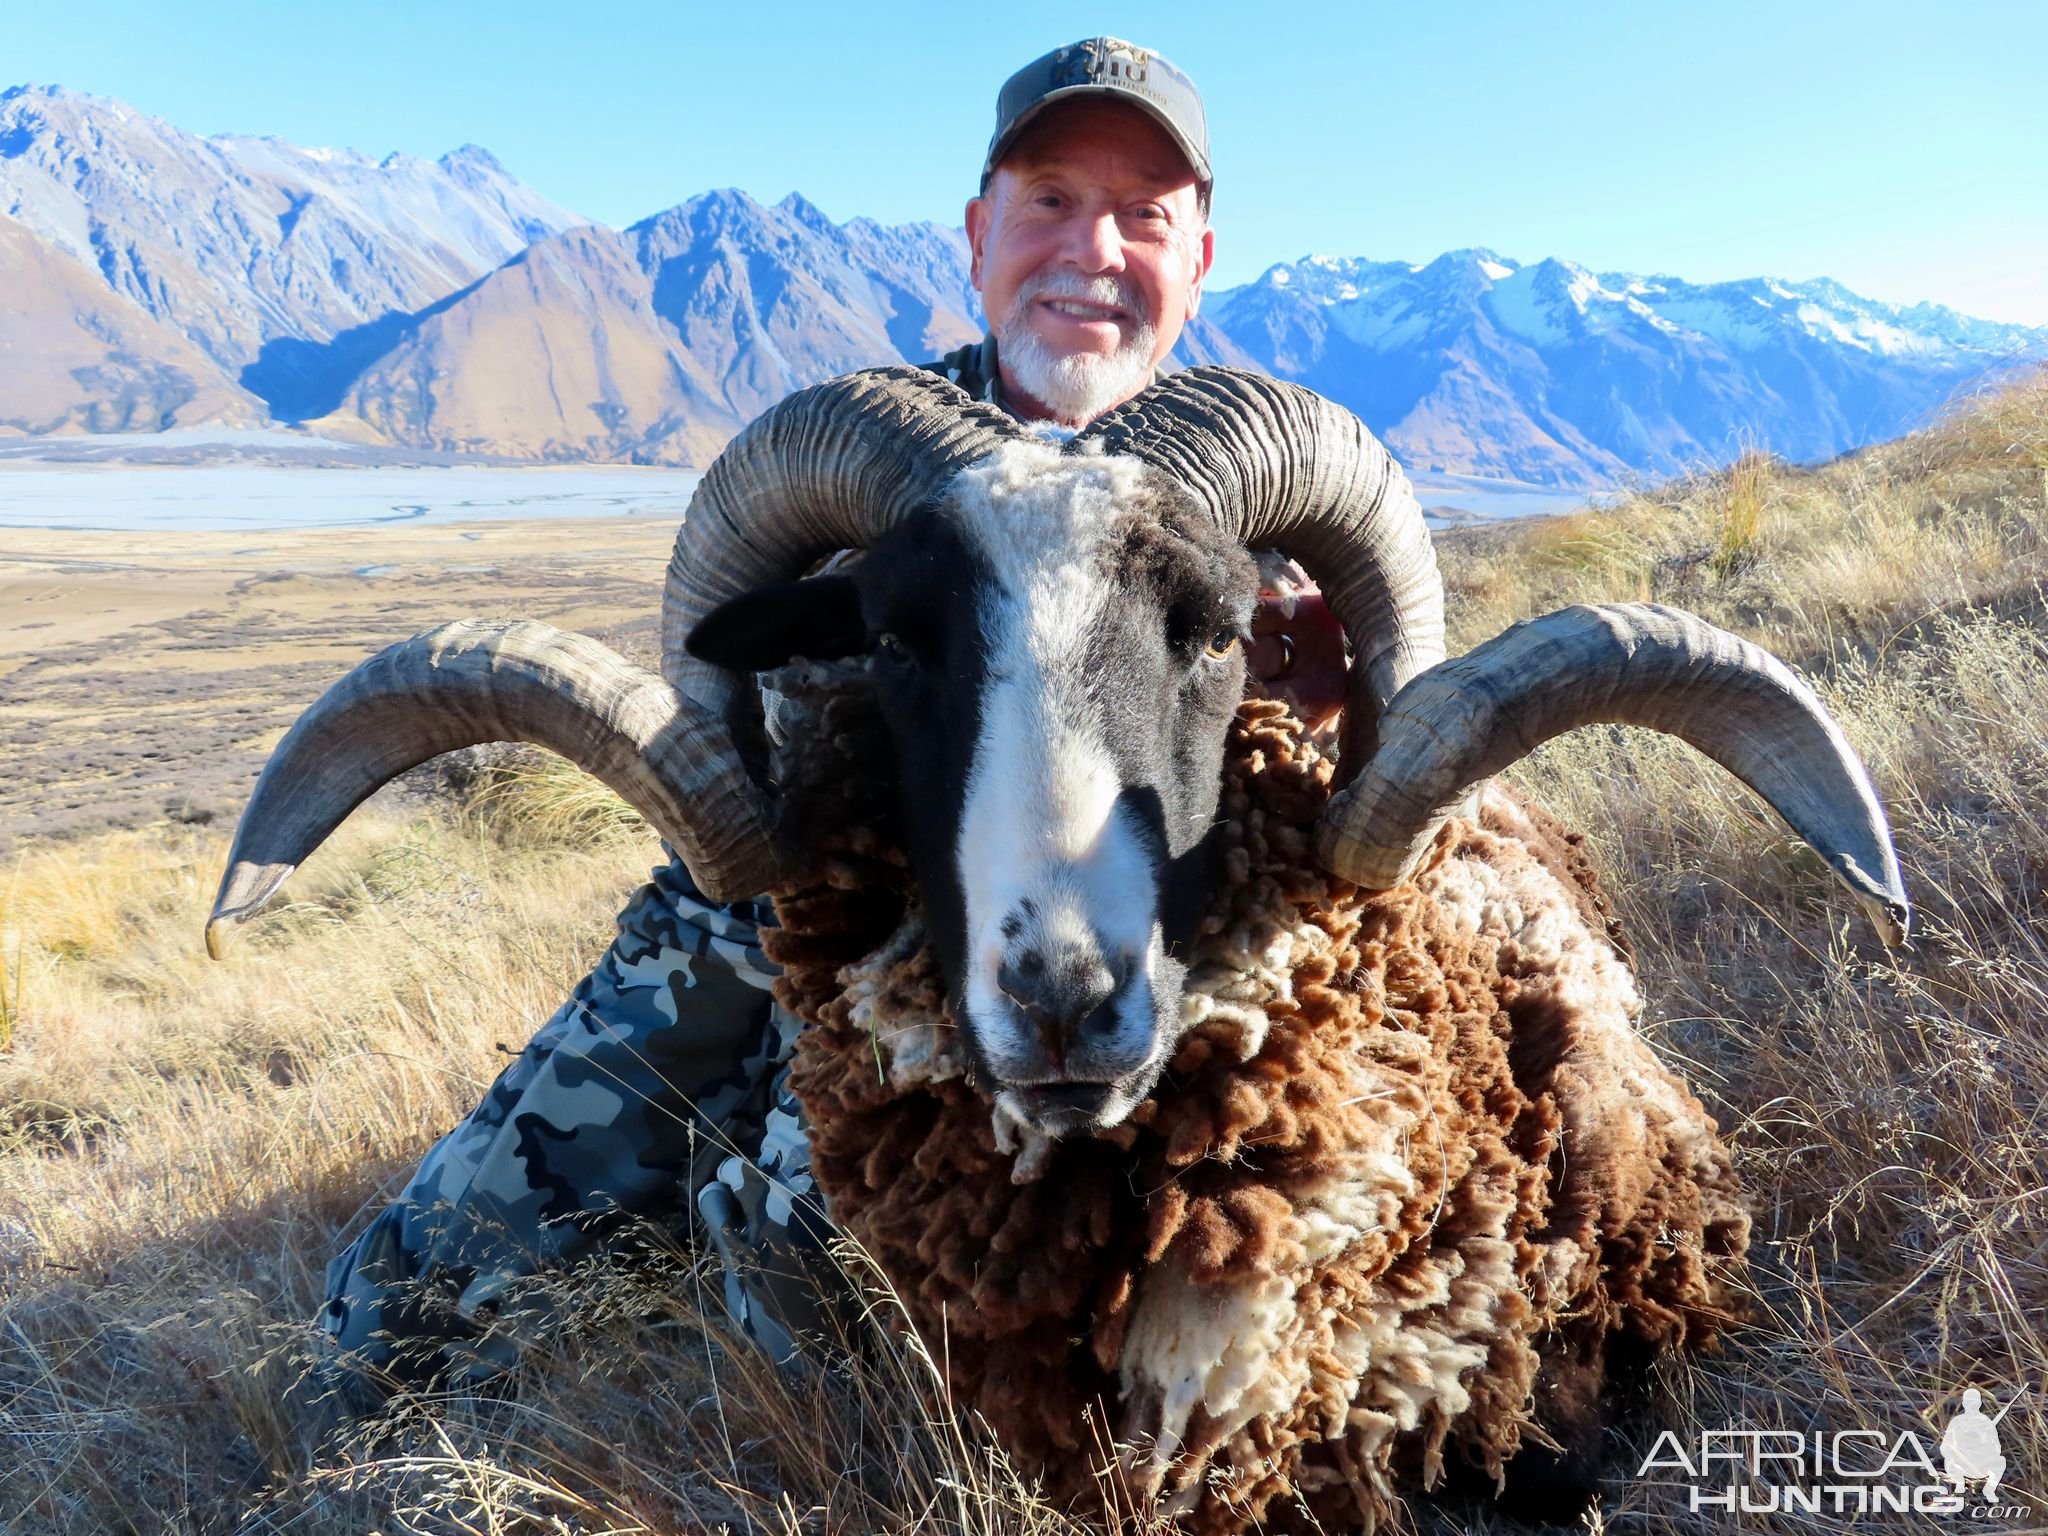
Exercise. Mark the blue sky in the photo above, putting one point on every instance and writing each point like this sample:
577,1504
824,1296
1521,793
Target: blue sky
1900,148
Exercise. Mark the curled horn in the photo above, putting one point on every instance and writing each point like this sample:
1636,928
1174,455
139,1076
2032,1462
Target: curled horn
830,467
1279,466
1621,664
464,683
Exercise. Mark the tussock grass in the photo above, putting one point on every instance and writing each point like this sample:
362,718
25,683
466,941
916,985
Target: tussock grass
1741,513
534,799
183,1144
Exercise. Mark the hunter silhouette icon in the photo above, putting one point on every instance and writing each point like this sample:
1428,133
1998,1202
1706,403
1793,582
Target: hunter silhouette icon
1969,1446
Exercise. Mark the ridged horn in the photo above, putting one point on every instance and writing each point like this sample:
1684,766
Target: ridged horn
457,686
1621,664
1281,467
832,467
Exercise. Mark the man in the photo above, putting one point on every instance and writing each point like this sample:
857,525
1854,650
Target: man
662,1079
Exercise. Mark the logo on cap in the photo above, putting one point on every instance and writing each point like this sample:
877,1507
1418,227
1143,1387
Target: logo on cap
1105,61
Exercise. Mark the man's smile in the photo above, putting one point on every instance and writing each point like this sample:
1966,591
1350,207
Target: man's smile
1089,325
1086,310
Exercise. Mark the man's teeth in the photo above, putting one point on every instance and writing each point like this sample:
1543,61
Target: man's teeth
1083,311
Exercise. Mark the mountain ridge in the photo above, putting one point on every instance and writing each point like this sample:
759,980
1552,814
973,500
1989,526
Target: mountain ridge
1584,377
163,278
243,244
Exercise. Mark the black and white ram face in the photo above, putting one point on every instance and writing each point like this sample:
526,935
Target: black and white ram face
1058,654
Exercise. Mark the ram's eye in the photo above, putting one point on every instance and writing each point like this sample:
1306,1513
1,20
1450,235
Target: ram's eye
891,645
1221,642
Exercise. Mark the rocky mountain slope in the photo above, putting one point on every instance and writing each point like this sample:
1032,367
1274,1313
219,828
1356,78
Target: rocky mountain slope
151,278
76,358
655,344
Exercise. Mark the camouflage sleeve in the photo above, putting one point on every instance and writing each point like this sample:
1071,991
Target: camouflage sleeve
658,1068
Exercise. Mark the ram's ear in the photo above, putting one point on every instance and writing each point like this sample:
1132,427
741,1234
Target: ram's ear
819,619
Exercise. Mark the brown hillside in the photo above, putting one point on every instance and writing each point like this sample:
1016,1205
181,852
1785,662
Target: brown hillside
76,357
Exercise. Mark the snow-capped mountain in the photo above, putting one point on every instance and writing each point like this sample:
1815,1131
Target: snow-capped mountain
1475,363
153,278
250,247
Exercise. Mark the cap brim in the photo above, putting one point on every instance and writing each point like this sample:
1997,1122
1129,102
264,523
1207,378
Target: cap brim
1197,161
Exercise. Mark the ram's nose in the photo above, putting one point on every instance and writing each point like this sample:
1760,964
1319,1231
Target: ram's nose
1067,997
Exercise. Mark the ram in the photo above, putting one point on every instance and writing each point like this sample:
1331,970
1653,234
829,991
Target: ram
1282,1109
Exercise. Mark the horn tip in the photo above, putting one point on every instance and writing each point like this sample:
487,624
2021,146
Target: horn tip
244,891
1891,916
1882,897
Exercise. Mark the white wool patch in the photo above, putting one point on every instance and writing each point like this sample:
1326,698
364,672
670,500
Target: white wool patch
1523,905
1515,900
1409,1356
1240,973
1217,1349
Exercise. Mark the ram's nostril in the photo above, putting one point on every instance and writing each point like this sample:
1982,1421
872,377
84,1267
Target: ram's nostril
1019,979
1101,1019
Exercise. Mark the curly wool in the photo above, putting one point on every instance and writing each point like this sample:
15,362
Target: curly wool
1409,1172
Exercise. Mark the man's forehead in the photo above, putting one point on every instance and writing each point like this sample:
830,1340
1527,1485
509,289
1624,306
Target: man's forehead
1094,132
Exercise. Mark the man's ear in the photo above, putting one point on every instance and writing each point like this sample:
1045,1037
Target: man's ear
979,214
1205,257
819,619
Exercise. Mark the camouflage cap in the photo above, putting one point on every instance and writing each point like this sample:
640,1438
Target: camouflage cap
1103,66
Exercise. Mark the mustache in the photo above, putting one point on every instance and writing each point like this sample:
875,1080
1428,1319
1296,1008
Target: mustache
1103,288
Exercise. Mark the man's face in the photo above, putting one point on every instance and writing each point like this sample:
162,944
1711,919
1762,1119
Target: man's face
1089,251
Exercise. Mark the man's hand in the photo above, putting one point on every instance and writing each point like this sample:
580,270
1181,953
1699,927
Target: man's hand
1297,649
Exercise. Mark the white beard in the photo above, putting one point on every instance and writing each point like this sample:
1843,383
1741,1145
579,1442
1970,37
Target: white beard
1076,386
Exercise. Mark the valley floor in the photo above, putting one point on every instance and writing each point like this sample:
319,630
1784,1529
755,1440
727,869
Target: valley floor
147,674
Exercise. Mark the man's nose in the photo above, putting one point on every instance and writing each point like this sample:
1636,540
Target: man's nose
1095,243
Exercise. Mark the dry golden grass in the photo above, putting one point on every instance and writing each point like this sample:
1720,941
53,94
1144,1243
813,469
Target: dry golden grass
183,1144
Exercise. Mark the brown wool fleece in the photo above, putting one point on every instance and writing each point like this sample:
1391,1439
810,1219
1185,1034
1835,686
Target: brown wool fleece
1391,1198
